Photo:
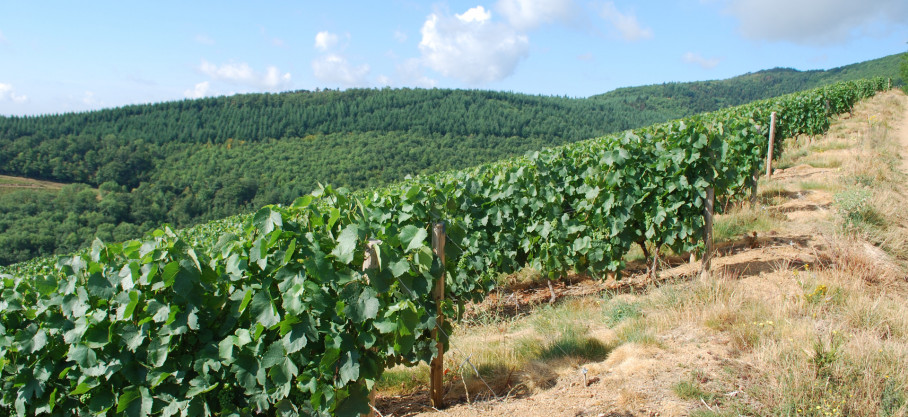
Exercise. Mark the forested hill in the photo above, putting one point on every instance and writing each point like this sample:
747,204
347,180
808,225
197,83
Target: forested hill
197,160
190,161
254,117
703,96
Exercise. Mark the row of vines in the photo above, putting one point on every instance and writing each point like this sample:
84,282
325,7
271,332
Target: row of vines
279,317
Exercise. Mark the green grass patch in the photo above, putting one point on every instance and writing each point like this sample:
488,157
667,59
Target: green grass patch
692,390
825,163
830,146
734,225
816,185
856,211
638,331
790,158
618,311
403,379
771,194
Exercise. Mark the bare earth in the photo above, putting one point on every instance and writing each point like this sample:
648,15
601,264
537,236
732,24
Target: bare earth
637,380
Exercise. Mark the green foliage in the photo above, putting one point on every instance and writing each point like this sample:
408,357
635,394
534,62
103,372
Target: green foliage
855,209
825,354
619,311
689,98
188,162
277,316
903,71
691,389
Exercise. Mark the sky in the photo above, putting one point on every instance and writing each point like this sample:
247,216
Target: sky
58,57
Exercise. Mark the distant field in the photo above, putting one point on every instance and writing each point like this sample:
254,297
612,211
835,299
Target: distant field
9,184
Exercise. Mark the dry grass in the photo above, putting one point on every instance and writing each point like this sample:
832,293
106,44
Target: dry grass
10,184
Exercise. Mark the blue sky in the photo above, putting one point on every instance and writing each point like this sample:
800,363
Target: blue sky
60,56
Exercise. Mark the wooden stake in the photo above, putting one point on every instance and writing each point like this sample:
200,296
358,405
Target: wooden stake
708,211
370,263
437,367
772,138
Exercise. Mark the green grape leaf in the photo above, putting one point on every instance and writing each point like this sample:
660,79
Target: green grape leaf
267,220
346,244
412,237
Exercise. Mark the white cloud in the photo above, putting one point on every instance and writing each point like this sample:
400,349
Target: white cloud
325,40
585,57
400,36
7,92
384,81
529,14
200,90
89,98
470,47
410,73
626,23
204,39
243,74
816,22
695,58
407,74
334,68
476,14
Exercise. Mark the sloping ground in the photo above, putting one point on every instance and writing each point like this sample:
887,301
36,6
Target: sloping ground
806,316
8,184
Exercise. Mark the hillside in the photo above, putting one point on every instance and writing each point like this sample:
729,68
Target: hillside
703,96
191,161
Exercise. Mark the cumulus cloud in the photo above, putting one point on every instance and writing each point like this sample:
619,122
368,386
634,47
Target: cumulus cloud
625,23
325,40
529,14
815,22
243,74
200,90
7,92
471,47
697,59
334,68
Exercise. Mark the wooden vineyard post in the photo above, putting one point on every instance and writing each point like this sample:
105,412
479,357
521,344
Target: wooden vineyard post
370,262
889,83
772,138
437,367
708,211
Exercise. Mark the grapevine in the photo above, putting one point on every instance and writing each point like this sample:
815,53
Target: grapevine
278,315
